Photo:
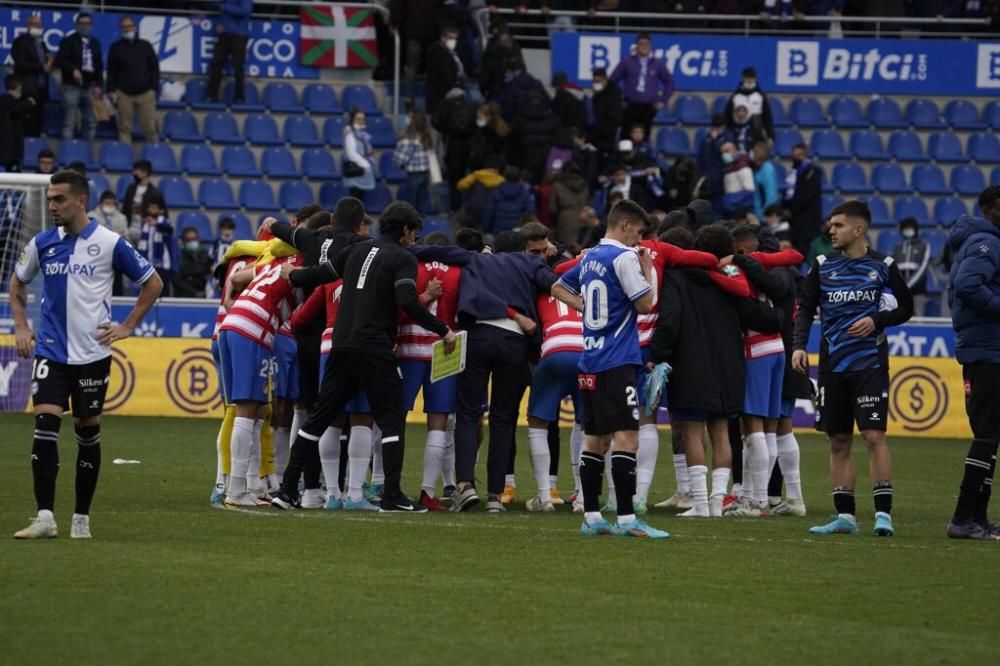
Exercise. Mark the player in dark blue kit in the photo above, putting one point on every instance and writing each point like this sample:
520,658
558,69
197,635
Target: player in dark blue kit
859,293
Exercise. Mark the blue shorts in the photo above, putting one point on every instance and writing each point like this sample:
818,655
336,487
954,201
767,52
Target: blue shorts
641,381
286,377
555,378
787,408
439,397
764,378
246,368
218,369
358,404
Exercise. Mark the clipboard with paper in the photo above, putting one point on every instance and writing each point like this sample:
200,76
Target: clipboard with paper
446,365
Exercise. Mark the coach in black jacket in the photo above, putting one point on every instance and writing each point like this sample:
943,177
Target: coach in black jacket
32,64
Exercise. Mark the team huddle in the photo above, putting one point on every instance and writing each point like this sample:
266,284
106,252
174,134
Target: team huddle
324,339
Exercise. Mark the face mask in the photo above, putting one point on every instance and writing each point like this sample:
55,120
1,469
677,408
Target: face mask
728,158
16,94
130,35
226,236
360,127
481,122
749,85
909,233
108,210
35,32
598,87
451,44
191,246
84,30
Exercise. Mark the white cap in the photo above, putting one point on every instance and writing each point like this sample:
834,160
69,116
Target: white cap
625,146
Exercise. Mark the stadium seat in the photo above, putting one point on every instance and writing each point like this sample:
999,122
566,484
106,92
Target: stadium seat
963,115
382,132
785,140
251,102
829,202
330,194
361,97
828,144
216,193
806,112
161,156
434,225
879,210
928,179
991,115
98,184
948,209
301,131
122,186
194,95
221,128
281,97
378,199
333,132
244,229
261,130
75,150
967,180
318,164
321,99
673,141
936,239
192,219
778,114
32,146
665,116
885,114
849,178
719,105
867,145
995,176
945,147
887,240
889,179
905,146
181,126
116,156
924,114
294,195
911,207
199,161
846,112
257,195
239,161
387,168
691,110
177,192
984,148
278,162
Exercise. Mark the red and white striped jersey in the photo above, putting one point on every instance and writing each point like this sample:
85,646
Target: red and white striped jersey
235,266
663,255
264,305
413,341
562,326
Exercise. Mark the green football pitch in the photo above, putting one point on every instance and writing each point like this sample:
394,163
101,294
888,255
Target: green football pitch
169,580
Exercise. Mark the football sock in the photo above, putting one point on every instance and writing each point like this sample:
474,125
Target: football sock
772,450
623,469
282,437
329,457
649,449
448,462
591,478
882,492
698,482
984,497
538,446
788,462
45,459
434,452
360,453
759,471
88,466
227,437
978,463
843,502
575,448
378,464
553,441
681,473
253,468
242,448
720,482
265,435
608,476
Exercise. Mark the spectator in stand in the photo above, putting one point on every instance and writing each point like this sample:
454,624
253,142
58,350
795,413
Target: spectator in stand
234,32
157,243
518,84
635,159
680,182
640,142
413,156
445,68
476,189
774,219
455,119
749,95
568,102
913,257
490,136
608,112
46,161
507,204
32,64
744,130
137,196
631,184
570,195
533,132
500,49
646,82
803,199
13,109
415,21
195,266
738,185
765,179
709,162
133,81
106,212
227,236
359,158
82,66
822,244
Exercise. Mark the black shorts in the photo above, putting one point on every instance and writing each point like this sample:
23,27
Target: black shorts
982,390
610,400
307,349
846,398
83,386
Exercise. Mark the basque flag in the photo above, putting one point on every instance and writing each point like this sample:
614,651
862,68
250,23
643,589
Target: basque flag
335,36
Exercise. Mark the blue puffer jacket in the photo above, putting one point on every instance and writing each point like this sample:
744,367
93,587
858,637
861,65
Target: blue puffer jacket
975,290
506,206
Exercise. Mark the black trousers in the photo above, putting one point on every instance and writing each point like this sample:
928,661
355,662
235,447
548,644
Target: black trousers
502,356
638,114
226,47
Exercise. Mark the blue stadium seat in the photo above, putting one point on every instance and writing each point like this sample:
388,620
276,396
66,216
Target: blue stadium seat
719,105
691,110
177,192
194,95
963,114
829,202
991,115
806,112
378,199
849,178
321,99
216,193
251,98
967,180
879,209
936,239
239,161
945,147
301,131
295,194
161,156
221,128
98,185
199,160
382,131
387,168
116,156
995,176
261,130
785,140
887,240
244,228
905,146
984,148
885,114
846,112
122,185
665,116
278,162
361,97
673,141
889,179
181,126
929,179
318,164
333,132
330,194
778,113
256,195
699,134
435,225
75,150
911,207
924,114
829,144
281,97
191,219
32,146
867,145
948,209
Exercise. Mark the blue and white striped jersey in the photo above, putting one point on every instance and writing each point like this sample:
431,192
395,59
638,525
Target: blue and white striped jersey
78,272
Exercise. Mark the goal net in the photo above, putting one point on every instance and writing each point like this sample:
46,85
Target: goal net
23,213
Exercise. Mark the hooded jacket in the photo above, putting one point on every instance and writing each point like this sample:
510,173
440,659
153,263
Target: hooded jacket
505,207
974,294
534,130
570,195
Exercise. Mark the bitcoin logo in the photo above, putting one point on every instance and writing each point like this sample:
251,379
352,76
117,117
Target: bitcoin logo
122,381
192,382
918,398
